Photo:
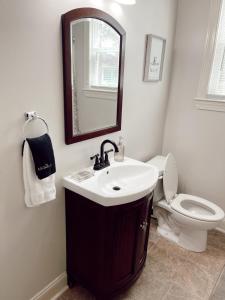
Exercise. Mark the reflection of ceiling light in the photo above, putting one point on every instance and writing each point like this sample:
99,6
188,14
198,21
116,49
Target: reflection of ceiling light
126,2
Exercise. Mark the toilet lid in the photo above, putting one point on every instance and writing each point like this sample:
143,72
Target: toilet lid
170,178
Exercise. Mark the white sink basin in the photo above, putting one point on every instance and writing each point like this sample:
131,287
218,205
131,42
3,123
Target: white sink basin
120,183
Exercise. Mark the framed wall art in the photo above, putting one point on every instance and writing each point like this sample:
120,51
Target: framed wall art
154,58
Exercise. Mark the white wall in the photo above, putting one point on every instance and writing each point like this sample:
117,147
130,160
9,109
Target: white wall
32,241
195,137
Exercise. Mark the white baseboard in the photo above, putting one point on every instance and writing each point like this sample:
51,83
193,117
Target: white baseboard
53,290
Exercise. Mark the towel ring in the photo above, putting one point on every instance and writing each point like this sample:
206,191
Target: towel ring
31,116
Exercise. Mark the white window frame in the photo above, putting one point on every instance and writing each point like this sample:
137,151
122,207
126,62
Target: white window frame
91,91
203,100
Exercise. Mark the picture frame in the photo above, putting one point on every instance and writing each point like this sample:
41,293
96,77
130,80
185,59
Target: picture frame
154,58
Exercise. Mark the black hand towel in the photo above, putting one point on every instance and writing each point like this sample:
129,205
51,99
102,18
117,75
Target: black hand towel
43,155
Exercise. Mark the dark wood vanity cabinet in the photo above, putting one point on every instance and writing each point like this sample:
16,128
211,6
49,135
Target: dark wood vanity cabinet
106,246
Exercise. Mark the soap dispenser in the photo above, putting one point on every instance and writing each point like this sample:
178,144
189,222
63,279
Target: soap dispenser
119,156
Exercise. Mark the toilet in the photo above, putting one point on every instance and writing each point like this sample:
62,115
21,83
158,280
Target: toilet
182,218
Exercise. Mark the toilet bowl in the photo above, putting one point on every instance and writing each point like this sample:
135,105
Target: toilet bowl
182,218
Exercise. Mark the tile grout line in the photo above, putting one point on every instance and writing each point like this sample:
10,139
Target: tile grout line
167,292
217,281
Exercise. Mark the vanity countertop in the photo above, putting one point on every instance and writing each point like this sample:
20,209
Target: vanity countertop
119,183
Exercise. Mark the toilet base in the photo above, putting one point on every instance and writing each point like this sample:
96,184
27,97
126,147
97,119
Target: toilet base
193,240
188,233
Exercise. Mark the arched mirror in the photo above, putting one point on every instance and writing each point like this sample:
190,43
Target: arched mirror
93,61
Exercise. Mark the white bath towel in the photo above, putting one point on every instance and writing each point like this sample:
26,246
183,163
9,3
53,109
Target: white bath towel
36,191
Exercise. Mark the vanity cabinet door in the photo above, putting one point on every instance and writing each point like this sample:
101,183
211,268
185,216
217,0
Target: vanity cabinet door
143,233
124,239
130,240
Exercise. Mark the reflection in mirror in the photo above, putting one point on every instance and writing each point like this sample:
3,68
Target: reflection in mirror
95,50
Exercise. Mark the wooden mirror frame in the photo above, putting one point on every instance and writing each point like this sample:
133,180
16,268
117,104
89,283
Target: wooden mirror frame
67,18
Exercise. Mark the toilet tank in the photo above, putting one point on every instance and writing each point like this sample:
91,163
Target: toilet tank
158,162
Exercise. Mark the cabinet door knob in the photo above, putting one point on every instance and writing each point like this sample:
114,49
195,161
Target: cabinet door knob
144,225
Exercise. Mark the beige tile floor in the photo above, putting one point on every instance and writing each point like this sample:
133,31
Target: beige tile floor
173,273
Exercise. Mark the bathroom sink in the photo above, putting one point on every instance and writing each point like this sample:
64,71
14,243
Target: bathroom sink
120,183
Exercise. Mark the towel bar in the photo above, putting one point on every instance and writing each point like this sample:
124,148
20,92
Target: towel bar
31,116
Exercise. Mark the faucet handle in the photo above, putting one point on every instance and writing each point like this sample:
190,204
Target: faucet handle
94,156
97,165
106,152
111,150
106,160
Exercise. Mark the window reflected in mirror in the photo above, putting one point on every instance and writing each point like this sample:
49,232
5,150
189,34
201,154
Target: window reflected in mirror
95,75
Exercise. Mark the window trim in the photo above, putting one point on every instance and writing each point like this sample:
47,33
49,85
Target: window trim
101,94
203,100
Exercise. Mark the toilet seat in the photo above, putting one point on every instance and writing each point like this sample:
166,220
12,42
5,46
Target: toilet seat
190,206
197,208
